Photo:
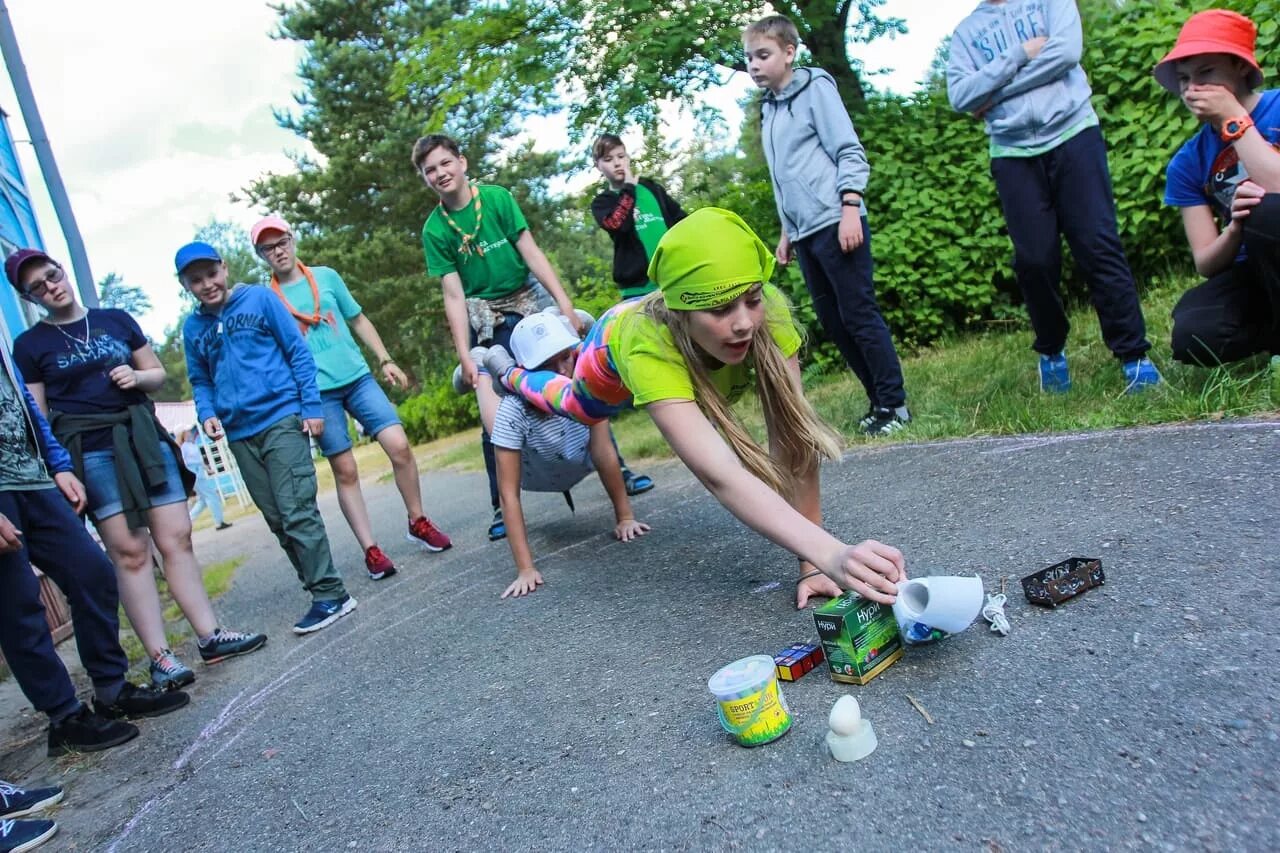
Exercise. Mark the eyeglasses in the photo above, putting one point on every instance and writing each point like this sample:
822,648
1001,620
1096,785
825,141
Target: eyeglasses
264,249
41,285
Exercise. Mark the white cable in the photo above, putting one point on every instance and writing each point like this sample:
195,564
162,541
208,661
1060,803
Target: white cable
993,612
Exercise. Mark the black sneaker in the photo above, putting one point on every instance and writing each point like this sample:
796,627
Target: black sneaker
886,422
86,731
136,702
228,644
18,836
223,526
16,802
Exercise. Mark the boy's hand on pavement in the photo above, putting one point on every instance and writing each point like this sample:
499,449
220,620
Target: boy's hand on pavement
850,233
213,428
871,569
10,536
525,583
72,489
818,586
1034,46
629,529
783,253
313,427
1212,102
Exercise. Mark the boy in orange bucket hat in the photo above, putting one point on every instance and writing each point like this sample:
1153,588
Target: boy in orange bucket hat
1226,181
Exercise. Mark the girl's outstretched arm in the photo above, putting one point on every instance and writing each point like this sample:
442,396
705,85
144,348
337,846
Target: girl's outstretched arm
869,568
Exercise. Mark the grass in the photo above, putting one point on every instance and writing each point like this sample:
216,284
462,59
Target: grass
986,384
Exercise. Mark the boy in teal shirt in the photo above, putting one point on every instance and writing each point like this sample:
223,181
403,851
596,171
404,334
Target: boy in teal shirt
491,269
326,314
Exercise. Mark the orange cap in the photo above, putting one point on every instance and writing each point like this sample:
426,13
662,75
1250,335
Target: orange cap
270,223
1211,31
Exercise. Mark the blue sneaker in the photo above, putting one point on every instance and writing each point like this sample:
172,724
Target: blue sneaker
324,613
20,836
1055,378
498,527
1139,375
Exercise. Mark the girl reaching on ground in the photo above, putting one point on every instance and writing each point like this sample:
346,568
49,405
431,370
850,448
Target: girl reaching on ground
89,370
714,328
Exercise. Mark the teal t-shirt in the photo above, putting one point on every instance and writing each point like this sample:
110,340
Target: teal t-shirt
491,266
339,361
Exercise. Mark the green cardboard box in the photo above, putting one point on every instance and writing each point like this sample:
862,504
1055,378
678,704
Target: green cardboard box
860,637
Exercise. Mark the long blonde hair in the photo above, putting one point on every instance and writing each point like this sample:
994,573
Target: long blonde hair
803,438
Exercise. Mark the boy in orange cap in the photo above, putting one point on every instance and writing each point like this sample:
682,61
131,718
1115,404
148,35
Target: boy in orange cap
1228,174
327,315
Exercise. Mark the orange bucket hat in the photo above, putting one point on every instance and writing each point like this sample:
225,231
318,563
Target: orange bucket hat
1211,31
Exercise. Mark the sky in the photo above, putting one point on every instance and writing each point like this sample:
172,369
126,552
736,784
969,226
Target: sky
157,113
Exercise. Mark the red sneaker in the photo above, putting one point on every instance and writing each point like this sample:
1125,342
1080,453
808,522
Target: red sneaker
378,563
423,531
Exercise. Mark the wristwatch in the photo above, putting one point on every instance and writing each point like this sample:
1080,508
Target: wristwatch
848,202
1234,128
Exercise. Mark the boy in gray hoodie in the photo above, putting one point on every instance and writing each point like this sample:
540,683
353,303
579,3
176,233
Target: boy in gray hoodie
819,172
1016,65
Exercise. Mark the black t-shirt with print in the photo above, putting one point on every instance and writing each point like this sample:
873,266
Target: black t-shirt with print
73,361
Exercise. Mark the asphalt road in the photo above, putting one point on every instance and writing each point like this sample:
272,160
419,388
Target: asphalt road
1142,715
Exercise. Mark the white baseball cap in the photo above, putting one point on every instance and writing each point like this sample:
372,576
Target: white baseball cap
539,337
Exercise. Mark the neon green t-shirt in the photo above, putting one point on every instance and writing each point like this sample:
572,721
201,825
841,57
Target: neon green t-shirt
652,368
493,267
339,361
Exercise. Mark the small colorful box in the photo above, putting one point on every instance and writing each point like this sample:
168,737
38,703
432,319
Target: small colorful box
860,637
797,659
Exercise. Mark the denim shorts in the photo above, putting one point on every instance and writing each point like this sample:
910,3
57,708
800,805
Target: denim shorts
103,487
366,402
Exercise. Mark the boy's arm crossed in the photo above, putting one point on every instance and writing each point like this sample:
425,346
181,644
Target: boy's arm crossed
970,88
1055,58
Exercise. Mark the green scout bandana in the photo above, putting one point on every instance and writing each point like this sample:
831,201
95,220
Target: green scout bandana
707,259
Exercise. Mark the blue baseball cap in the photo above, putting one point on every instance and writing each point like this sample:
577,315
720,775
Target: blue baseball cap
193,252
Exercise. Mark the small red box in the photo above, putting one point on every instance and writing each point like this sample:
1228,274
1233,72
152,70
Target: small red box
797,659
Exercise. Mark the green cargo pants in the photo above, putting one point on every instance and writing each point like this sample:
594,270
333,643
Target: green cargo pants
281,478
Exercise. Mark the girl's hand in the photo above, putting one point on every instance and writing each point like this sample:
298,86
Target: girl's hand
871,569
629,529
818,586
525,583
124,377
1248,196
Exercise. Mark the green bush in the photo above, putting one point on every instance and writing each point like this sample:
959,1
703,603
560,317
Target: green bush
437,412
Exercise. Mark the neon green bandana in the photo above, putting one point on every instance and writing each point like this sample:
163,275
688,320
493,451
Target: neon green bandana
707,259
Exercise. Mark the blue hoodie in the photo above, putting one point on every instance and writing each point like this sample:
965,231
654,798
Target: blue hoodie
1028,102
248,364
813,151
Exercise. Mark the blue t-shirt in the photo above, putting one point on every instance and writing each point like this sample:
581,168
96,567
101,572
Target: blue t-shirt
339,361
73,360
1207,170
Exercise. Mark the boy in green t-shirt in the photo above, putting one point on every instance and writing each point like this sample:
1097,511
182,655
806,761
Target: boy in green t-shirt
327,314
491,269
635,212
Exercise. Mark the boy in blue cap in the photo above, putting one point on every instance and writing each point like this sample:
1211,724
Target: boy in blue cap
254,380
